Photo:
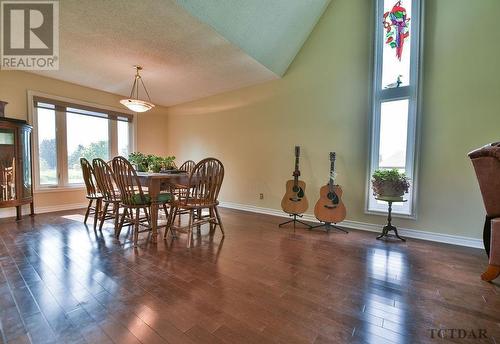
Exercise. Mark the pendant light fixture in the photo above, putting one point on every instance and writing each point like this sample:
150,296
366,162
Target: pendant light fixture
133,102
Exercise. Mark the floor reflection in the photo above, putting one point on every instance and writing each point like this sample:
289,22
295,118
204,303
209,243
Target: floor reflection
385,321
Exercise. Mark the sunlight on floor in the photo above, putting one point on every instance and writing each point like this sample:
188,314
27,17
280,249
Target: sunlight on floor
74,217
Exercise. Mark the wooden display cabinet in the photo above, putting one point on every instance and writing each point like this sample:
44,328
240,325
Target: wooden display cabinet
16,186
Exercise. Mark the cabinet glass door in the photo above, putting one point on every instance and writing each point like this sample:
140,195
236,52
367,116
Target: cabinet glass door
7,165
26,162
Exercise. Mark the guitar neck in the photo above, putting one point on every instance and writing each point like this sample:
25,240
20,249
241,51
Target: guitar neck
331,182
297,172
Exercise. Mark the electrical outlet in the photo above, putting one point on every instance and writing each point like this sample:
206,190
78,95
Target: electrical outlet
261,196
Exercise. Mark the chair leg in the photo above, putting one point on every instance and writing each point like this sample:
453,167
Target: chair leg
96,212
122,220
88,211
116,211
198,227
170,222
103,215
148,218
165,209
219,222
136,226
190,228
212,222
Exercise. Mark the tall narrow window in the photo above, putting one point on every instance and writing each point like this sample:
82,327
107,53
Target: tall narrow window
395,95
123,138
47,153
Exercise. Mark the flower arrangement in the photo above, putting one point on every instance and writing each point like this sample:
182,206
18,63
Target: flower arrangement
390,183
151,163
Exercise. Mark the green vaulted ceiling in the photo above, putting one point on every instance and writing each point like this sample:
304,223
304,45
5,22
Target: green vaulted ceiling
271,31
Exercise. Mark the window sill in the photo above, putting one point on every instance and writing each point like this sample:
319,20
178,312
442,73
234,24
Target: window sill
393,214
59,189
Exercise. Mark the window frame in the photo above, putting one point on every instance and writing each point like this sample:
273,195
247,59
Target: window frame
61,132
379,95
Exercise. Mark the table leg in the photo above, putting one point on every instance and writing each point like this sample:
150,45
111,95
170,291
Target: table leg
389,227
397,235
154,220
383,234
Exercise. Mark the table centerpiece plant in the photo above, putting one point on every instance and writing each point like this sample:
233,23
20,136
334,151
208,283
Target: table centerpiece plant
390,183
151,163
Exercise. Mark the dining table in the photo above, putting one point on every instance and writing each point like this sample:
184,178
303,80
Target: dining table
156,182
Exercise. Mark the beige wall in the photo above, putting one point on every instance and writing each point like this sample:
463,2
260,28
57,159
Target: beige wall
13,89
322,104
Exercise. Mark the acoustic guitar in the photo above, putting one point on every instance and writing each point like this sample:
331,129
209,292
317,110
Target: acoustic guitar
295,201
330,208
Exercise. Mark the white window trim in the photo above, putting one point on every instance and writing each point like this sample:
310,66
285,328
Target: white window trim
34,141
413,94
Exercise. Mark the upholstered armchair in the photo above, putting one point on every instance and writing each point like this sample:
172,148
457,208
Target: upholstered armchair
486,161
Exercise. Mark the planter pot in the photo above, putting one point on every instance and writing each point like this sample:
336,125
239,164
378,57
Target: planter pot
388,190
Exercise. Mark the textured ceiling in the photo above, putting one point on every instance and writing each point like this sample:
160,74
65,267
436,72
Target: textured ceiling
271,31
183,57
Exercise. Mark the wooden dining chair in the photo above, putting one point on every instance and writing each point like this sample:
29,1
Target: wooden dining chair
93,192
180,190
205,181
187,166
134,199
110,196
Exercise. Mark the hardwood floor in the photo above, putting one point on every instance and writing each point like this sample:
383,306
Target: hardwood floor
62,282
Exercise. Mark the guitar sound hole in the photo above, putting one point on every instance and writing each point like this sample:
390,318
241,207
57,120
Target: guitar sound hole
333,197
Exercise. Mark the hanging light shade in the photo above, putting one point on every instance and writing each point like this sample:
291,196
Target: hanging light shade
133,102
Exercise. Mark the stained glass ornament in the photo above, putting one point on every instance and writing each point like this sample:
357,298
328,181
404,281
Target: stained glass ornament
396,24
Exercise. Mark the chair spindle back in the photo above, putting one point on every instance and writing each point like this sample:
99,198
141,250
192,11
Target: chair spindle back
187,166
104,178
205,182
88,177
127,181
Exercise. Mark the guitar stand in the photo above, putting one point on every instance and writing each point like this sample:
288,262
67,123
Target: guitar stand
328,226
294,221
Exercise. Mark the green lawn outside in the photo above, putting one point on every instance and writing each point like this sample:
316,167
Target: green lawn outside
49,177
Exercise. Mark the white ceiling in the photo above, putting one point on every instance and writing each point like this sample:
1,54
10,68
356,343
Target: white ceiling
183,58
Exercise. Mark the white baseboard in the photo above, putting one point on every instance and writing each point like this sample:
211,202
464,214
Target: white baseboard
410,233
11,212
62,207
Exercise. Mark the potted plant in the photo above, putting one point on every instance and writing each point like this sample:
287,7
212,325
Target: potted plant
154,163
168,163
140,161
151,163
390,183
